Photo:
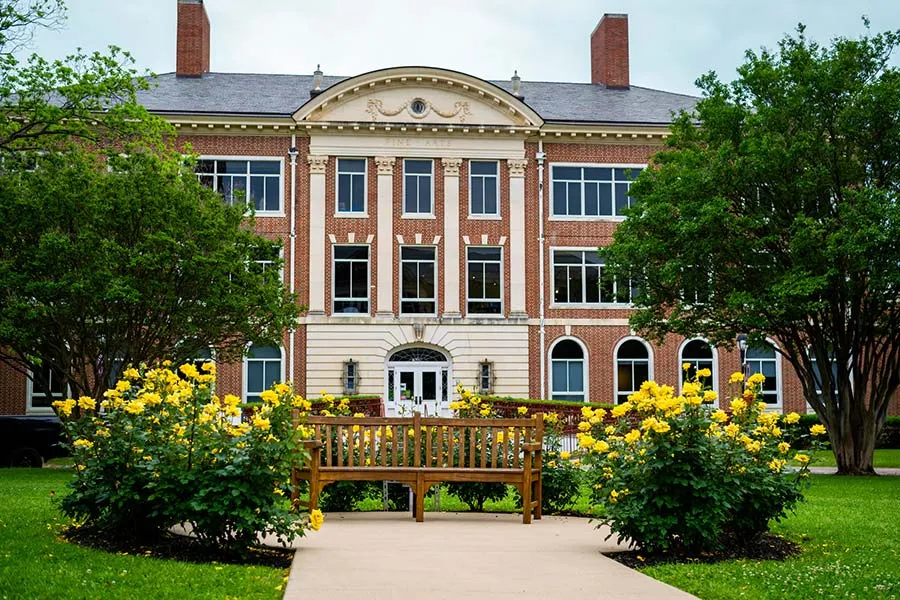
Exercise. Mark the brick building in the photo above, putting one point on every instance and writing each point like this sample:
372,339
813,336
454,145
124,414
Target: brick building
439,227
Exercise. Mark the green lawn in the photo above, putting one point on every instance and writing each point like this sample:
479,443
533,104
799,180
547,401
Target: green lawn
848,528
36,564
883,459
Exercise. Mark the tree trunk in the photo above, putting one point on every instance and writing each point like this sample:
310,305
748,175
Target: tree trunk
854,448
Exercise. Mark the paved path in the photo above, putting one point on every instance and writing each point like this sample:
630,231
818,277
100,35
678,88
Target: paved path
388,556
833,470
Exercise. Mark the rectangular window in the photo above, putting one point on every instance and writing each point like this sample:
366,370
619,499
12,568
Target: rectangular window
350,291
39,400
418,280
484,280
417,187
591,191
351,185
484,188
256,183
579,277
263,370
267,259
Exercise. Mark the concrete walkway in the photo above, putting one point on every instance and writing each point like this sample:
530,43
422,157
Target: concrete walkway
381,556
833,470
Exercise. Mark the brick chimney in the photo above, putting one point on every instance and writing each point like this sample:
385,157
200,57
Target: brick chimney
192,51
609,52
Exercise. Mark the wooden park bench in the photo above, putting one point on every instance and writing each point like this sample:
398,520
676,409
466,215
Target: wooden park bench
424,451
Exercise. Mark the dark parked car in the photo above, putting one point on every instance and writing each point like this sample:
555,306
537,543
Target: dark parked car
28,441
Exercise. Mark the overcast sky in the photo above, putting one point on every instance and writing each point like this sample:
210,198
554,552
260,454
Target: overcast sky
672,41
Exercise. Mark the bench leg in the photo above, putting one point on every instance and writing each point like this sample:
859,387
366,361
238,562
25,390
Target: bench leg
538,499
526,501
420,497
314,490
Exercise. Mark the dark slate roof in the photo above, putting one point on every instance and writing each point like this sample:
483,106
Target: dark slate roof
281,95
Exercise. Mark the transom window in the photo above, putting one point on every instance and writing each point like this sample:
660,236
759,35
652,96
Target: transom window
256,183
484,280
765,360
579,277
417,187
351,185
567,371
698,355
418,280
263,370
351,280
591,191
484,188
632,368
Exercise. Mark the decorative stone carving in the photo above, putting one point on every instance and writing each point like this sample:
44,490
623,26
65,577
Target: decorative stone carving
385,164
451,166
317,163
517,167
460,110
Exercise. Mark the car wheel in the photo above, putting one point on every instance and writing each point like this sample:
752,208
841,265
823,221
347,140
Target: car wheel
26,457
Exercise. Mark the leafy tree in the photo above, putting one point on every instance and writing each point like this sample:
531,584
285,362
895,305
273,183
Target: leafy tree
109,263
774,211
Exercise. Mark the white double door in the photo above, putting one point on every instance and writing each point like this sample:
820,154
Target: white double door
418,389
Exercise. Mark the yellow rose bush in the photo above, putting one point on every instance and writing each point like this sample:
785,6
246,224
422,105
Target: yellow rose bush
161,450
674,474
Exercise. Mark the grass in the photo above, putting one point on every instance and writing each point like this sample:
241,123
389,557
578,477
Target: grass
36,564
848,529
883,459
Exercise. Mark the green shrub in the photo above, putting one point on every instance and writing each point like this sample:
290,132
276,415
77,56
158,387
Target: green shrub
671,474
165,451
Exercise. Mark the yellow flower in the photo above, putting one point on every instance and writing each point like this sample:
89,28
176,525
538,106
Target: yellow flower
686,366
82,443
587,412
585,440
732,429
189,370
522,410
316,518
803,459
64,406
791,418
609,429
704,373
209,367
282,388
584,426
710,396
565,455
783,447
756,379
621,410
485,412
776,464
719,416
131,373
817,430
738,406
278,491
661,427
736,377
269,397
135,407
551,418
261,423
633,436
600,447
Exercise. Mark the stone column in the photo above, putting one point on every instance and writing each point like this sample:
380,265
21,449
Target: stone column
451,273
384,306
317,262
517,237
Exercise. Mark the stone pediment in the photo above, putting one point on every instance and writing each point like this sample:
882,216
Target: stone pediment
418,96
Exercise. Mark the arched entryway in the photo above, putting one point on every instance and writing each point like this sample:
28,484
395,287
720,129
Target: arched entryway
417,380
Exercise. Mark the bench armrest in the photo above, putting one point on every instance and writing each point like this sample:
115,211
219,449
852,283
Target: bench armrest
532,447
311,444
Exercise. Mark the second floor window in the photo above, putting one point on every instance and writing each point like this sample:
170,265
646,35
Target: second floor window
351,280
417,187
351,185
484,188
418,280
579,277
484,280
591,191
256,183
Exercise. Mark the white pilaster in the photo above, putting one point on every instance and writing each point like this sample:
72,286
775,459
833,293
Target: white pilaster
385,199
317,263
517,237
451,237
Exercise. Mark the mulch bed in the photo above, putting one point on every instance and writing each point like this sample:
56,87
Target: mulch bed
767,546
182,548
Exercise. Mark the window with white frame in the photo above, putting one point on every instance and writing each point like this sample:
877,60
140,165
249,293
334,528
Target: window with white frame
632,368
256,183
763,359
266,258
351,186
418,280
350,293
567,371
591,191
484,280
263,369
698,355
817,374
418,187
45,385
580,277
484,188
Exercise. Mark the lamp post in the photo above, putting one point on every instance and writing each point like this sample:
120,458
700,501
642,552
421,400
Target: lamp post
742,346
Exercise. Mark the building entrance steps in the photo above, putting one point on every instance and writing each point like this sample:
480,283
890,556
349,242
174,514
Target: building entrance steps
381,555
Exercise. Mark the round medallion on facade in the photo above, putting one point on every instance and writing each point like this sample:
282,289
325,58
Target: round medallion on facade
418,107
